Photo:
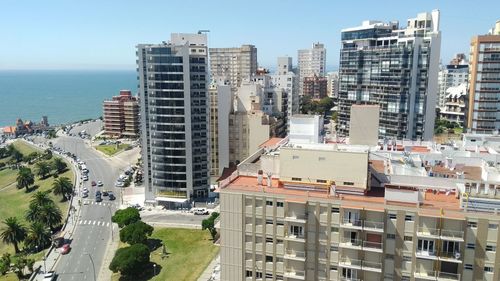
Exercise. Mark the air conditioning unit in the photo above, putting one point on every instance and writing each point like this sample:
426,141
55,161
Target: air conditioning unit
457,255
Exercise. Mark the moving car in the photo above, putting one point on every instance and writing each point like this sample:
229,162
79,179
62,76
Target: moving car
49,276
98,198
119,184
98,193
200,211
65,249
105,193
85,194
93,183
111,196
99,183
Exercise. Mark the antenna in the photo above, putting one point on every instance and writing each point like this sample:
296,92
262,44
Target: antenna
203,31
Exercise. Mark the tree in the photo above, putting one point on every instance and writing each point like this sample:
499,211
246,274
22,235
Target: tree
5,263
42,169
210,224
59,165
16,155
41,198
62,186
14,233
47,155
136,232
38,236
4,152
25,178
126,216
51,216
131,260
30,158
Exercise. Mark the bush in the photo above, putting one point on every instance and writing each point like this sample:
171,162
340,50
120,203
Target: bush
136,232
130,260
210,224
126,216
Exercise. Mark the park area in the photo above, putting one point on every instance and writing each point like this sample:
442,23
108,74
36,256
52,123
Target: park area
15,201
186,254
112,149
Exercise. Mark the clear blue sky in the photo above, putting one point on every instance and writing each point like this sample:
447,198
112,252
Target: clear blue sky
57,34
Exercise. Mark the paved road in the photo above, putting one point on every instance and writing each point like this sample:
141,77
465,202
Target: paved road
93,231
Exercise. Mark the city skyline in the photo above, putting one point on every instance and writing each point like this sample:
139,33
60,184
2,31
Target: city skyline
104,35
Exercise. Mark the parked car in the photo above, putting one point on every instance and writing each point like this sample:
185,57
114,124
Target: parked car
93,183
105,193
98,193
200,211
99,183
49,276
66,248
98,198
85,177
111,196
85,194
119,184
85,190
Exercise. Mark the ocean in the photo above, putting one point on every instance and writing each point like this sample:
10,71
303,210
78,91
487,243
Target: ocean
63,96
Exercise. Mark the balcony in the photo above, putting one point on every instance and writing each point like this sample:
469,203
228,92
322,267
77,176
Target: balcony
352,223
454,256
349,279
427,232
295,255
373,226
373,246
436,275
351,243
452,235
295,237
295,274
296,218
431,255
362,265
446,276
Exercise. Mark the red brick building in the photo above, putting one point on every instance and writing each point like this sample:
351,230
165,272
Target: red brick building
316,87
121,116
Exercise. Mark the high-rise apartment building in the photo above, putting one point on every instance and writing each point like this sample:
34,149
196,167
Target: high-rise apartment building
174,100
236,64
315,87
221,102
454,105
121,116
397,68
311,62
333,84
452,75
484,83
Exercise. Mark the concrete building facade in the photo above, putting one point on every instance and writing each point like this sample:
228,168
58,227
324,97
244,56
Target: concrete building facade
220,108
237,64
121,116
315,87
451,76
173,78
483,115
397,68
454,105
311,62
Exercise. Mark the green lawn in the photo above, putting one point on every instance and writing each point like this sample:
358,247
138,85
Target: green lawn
9,277
14,202
111,149
24,148
189,253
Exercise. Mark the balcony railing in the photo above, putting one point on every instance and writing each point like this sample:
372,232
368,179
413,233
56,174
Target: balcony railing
351,242
298,274
375,225
442,276
364,224
359,264
452,234
372,245
455,255
295,254
426,254
352,222
425,231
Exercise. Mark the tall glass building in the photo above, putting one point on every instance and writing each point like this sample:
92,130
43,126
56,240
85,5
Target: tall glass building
396,68
174,118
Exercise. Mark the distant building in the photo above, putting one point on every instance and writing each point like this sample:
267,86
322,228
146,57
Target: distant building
452,75
220,107
333,84
454,105
26,128
236,64
287,82
311,62
484,83
121,116
315,87
395,67
173,91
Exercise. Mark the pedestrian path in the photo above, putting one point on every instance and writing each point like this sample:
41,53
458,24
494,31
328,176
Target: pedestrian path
94,222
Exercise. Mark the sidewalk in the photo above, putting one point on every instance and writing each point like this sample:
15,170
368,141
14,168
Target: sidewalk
52,255
212,272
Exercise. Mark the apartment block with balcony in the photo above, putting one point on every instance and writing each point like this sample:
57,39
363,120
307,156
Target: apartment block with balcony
121,116
453,109
400,211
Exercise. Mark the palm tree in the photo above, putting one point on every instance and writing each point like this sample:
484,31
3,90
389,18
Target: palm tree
43,169
59,165
25,178
50,215
14,233
38,236
62,186
41,198
33,214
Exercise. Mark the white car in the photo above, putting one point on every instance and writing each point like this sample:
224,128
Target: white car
119,184
99,183
49,276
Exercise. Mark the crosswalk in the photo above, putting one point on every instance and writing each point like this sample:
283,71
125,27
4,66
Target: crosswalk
94,222
88,202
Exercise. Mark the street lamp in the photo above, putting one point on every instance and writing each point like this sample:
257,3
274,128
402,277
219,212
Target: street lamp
92,261
154,269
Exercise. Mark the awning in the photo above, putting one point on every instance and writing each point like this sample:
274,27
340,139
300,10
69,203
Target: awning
171,199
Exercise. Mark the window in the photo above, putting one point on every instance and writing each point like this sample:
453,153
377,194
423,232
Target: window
348,183
279,204
297,179
491,248
470,246
468,266
408,238
280,223
269,239
333,267
335,229
258,274
269,221
335,210
408,218
249,273
269,258
389,257
269,203
493,226
392,216
321,181
488,269
391,236
321,159
334,248
295,157
279,241
472,224
269,276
